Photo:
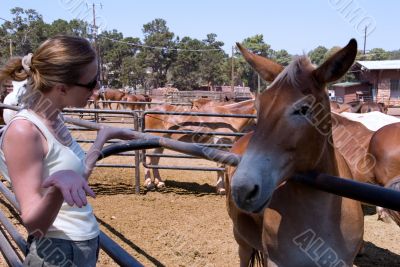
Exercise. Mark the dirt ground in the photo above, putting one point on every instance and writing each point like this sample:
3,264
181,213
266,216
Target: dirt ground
187,223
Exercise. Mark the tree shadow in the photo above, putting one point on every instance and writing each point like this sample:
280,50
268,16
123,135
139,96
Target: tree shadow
112,189
130,243
180,188
188,188
376,256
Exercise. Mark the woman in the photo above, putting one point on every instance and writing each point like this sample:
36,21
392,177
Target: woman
47,168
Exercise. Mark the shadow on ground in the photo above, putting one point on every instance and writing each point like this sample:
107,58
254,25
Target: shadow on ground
376,256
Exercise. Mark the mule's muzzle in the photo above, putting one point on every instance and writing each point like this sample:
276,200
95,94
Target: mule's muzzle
247,197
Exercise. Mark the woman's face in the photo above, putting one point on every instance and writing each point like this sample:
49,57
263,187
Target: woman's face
80,92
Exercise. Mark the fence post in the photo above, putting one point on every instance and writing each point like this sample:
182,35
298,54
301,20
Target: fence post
136,125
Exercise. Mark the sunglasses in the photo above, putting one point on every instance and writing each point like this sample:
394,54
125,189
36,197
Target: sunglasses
90,85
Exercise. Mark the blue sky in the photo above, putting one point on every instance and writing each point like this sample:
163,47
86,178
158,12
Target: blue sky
297,26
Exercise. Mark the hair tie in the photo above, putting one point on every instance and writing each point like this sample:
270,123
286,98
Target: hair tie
27,63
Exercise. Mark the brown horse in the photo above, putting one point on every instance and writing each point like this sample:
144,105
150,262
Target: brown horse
372,156
358,107
112,95
95,98
196,124
385,149
135,98
288,223
373,106
200,103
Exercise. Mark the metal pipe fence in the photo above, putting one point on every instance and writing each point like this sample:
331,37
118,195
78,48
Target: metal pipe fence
200,133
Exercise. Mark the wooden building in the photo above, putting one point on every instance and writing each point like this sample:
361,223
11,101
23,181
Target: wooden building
351,91
382,79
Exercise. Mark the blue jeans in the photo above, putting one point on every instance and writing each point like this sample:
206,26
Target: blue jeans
51,252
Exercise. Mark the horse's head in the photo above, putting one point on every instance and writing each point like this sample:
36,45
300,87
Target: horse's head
293,126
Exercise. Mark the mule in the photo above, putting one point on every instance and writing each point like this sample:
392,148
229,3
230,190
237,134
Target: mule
287,223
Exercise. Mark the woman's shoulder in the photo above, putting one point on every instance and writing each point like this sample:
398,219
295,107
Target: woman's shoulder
22,130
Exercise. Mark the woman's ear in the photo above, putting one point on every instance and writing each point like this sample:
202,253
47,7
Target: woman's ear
61,88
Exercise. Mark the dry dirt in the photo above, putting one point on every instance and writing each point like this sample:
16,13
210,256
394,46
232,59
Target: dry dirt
187,223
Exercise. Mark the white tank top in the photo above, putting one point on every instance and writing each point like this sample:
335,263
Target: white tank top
72,223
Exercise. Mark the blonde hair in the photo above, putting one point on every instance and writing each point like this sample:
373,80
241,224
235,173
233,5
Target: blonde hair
60,59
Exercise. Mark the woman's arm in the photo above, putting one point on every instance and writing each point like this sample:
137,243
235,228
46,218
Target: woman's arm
103,135
24,150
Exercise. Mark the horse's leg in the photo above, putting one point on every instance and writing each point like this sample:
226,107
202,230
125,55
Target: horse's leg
395,185
149,183
246,252
160,184
220,186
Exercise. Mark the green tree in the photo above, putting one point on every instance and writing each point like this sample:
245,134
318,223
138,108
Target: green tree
211,65
317,55
185,71
243,72
282,57
160,54
74,27
27,30
113,49
395,54
133,74
378,54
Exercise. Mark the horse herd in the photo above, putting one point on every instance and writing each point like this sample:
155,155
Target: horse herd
110,94
278,222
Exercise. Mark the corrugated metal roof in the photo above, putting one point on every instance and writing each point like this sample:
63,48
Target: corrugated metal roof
346,84
380,64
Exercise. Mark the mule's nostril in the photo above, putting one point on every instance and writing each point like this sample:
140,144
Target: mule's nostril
252,194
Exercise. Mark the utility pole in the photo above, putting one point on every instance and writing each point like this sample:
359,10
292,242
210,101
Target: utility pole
365,38
232,73
11,51
96,46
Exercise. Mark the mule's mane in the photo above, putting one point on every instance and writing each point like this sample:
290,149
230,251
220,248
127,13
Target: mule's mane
291,73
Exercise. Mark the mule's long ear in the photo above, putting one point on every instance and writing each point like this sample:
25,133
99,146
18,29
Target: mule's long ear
267,69
338,64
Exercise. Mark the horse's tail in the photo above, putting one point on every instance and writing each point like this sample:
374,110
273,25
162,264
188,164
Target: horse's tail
395,185
257,258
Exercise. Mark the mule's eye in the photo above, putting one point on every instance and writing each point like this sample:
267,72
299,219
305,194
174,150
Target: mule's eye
303,110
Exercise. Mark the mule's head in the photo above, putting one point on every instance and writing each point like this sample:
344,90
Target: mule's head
293,128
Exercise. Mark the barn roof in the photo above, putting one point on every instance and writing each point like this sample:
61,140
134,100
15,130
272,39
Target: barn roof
380,64
346,84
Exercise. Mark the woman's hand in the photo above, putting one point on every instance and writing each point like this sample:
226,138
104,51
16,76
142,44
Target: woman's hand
116,133
72,186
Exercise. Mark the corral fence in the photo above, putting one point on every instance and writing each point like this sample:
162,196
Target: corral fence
203,134
188,96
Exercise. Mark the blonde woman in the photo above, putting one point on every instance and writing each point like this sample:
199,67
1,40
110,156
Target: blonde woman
48,170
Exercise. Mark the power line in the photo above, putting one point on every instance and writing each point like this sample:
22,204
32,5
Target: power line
5,20
162,48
